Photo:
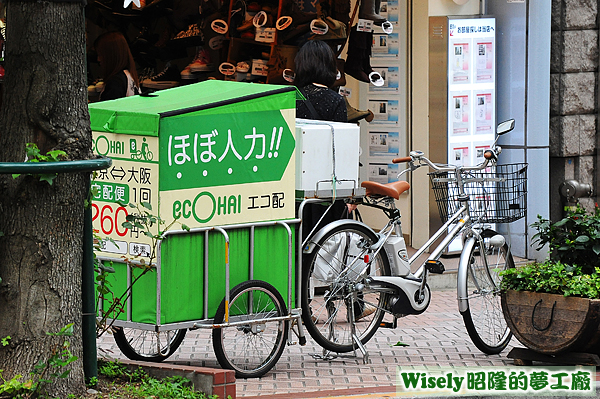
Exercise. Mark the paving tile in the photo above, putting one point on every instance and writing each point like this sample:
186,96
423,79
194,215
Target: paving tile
435,338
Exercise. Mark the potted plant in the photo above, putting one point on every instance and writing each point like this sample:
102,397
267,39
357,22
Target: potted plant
554,306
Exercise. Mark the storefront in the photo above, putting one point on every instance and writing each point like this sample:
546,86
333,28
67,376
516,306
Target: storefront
193,40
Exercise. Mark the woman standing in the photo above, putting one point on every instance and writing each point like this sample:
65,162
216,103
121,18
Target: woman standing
316,71
117,66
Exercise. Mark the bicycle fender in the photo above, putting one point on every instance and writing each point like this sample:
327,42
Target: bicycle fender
463,265
310,245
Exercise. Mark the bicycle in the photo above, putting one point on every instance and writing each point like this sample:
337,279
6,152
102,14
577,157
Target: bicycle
352,275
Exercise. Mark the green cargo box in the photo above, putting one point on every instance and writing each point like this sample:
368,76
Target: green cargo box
208,154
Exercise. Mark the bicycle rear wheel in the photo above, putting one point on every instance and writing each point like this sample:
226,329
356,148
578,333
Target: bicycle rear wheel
253,348
483,317
335,304
149,346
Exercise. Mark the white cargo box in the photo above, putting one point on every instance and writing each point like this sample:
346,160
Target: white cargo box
317,144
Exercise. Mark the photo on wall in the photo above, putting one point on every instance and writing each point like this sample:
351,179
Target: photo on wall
383,173
384,111
384,144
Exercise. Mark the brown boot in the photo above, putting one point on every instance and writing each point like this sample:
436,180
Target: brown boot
354,115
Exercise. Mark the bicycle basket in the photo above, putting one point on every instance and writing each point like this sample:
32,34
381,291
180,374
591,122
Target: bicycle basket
496,195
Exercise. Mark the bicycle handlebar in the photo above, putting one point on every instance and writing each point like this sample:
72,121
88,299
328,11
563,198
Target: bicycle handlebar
490,155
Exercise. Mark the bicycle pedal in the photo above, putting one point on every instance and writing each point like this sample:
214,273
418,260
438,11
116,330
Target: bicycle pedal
434,266
385,324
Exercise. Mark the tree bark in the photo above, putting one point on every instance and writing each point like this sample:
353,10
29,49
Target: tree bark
44,102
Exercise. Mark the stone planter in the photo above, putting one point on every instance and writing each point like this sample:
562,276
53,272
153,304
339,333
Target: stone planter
553,324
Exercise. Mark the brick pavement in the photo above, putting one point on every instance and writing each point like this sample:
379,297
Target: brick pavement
435,338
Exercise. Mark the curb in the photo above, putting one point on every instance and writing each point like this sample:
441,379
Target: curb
208,380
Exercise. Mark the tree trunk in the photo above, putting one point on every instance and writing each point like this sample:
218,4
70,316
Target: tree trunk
45,102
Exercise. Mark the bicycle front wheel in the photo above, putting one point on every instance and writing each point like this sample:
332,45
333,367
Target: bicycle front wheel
336,305
483,317
253,347
149,346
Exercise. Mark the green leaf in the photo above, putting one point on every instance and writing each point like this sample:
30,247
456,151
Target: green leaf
146,205
49,178
582,239
400,344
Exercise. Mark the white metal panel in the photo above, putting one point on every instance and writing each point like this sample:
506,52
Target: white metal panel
317,144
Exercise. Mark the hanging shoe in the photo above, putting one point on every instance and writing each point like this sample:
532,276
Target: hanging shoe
166,79
358,50
202,62
355,115
368,11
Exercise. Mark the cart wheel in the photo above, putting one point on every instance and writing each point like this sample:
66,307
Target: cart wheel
147,345
253,348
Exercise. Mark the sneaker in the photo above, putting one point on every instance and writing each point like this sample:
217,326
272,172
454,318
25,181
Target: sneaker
243,67
202,62
166,79
187,74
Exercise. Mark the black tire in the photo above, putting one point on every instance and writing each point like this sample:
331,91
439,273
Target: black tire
251,350
328,293
483,318
143,345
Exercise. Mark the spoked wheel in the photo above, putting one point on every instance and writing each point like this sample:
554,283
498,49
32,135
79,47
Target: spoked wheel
147,345
483,318
253,347
335,302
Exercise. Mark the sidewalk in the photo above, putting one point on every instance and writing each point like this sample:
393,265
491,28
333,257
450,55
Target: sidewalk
435,338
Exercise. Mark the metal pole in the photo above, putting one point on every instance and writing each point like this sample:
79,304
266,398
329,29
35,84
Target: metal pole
90,354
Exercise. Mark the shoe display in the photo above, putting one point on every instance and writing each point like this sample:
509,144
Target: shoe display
202,62
359,51
355,115
166,79
192,36
187,74
243,67
369,9
247,24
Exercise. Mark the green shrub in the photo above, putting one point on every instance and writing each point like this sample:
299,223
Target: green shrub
553,278
573,266
573,240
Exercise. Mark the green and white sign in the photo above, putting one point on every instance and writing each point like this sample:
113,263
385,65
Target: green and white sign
224,152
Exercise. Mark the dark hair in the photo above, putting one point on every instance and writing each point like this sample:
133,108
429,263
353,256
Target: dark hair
315,63
116,56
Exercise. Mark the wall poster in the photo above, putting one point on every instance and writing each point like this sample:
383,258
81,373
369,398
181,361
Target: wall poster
383,172
471,87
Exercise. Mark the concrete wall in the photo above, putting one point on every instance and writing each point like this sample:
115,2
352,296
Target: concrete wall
574,98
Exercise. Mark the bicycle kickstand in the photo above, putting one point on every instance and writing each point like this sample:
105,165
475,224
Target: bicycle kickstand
361,347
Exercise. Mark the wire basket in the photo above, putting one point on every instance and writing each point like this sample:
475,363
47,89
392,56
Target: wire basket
496,195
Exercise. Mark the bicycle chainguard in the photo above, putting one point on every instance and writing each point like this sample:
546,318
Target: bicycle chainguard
435,266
